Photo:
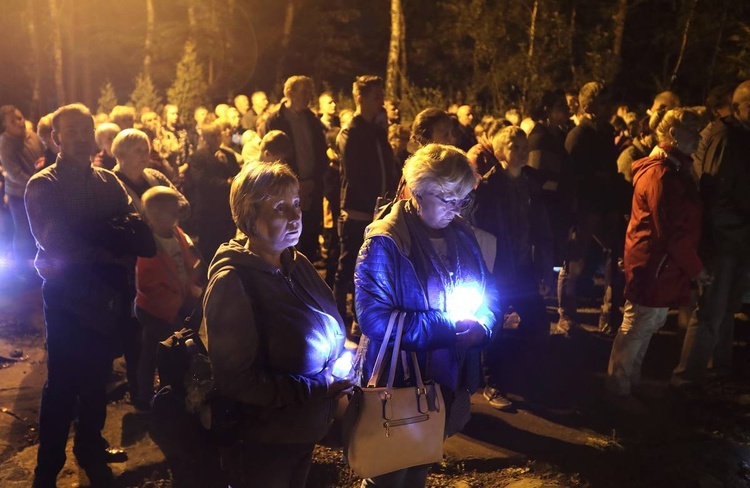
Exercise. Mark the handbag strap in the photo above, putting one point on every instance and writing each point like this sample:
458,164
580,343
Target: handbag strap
377,369
396,349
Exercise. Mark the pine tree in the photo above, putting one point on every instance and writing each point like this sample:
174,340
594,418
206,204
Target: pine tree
144,94
107,98
190,88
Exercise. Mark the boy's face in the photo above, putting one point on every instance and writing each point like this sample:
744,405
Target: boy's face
163,217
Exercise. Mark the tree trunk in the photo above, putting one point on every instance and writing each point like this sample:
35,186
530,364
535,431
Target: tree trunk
393,75
69,39
571,39
527,80
620,17
192,21
148,45
402,43
717,48
286,35
35,108
684,43
57,52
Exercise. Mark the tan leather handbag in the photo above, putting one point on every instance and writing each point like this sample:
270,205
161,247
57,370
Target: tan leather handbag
385,428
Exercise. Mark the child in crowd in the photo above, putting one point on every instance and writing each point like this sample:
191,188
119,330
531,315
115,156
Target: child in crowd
168,285
276,146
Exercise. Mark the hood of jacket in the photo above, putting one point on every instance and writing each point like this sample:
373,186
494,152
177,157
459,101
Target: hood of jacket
235,254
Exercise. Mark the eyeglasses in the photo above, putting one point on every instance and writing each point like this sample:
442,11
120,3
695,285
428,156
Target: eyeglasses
461,203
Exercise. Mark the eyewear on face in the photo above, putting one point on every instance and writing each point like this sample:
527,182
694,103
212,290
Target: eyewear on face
455,202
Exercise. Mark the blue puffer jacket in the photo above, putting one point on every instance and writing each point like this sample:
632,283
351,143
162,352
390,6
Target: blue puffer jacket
386,279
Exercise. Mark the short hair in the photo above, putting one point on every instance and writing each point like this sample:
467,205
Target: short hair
588,94
238,97
496,126
123,116
398,130
44,127
504,136
440,167
278,144
719,97
125,140
678,117
424,123
666,100
155,197
254,183
363,85
293,81
73,108
256,95
105,129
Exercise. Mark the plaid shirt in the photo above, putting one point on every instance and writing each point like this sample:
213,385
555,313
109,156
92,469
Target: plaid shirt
61,202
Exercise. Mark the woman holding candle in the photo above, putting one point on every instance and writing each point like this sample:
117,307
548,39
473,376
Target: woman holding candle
415,260
274,334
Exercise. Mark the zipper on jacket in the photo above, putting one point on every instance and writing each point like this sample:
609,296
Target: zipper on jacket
399,422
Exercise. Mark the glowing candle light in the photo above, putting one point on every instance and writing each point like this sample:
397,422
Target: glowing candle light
463,301
342,368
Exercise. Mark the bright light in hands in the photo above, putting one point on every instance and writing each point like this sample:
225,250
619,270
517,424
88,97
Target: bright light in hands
463,301
342,368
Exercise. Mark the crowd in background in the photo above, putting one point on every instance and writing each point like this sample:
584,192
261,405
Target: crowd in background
655,198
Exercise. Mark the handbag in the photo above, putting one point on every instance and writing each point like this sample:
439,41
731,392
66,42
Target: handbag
386,429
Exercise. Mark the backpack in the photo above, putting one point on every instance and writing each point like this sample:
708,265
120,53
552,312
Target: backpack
187,382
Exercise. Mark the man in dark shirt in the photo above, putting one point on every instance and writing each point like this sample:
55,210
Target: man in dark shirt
592,160
64,203
725,191
309,162
368,170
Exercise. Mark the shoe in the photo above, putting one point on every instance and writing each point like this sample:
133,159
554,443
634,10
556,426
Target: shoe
104,456
41,481
495,399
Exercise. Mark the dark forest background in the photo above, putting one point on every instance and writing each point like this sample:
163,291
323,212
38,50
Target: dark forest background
494,53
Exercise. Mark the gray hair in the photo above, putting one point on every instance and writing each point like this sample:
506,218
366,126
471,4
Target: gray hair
125,140
440,167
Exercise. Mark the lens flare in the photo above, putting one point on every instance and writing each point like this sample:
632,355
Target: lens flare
463,301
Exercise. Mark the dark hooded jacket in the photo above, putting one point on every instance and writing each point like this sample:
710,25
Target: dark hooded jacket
388,278
661,244
270,338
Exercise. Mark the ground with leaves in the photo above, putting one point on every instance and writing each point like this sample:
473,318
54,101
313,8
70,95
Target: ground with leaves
563,435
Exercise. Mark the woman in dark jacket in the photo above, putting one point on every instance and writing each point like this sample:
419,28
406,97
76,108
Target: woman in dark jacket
412,261
661,245
274,334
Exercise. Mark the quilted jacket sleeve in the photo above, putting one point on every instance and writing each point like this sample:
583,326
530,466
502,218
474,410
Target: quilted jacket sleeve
385,281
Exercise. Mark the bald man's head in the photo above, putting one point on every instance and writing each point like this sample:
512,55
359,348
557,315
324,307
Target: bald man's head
741,103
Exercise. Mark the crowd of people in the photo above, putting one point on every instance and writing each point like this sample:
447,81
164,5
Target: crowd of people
295,228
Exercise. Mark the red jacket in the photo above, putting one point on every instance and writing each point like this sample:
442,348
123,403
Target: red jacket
158,287
662,238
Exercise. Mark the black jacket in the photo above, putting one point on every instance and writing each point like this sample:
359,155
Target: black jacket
725,187
366,172
278,121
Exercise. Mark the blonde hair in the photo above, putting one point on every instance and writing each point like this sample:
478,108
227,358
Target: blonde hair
254,184
293,81
105,129
157,196
125,140
503,138
442,168
678,117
